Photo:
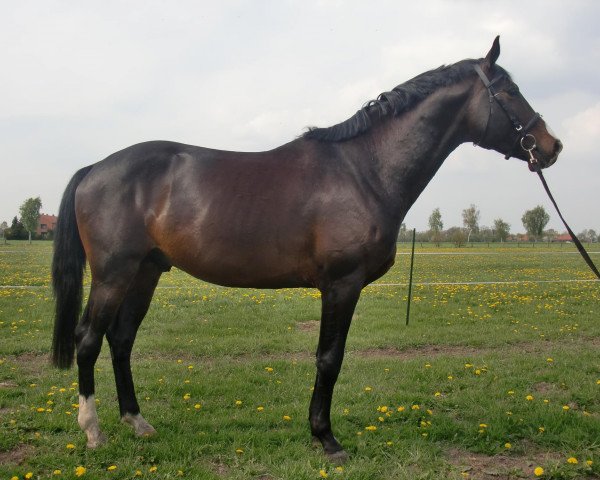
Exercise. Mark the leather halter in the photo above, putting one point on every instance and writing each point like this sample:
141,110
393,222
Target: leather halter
522,131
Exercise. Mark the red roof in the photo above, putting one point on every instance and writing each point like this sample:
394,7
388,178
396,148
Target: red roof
563,237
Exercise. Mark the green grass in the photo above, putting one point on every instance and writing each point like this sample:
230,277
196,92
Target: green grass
471,357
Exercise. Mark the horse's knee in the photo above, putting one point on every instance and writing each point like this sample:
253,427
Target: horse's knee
328,367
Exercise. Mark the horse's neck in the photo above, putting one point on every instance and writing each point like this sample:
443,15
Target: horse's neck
411,148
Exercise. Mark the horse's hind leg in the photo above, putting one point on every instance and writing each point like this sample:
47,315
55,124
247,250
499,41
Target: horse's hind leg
106,294
121,335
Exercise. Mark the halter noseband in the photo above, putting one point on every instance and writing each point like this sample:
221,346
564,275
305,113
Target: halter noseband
525,140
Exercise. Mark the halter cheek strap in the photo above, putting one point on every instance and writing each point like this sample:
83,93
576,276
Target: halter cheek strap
522,131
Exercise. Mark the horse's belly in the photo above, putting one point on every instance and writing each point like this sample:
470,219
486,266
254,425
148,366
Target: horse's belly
245,267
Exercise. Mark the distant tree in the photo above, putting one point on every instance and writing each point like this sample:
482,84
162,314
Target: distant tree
535,220
16,231
30,214
486,234
403,234
501,230
456,235
471,220
587,236
550,235
3,228
436,226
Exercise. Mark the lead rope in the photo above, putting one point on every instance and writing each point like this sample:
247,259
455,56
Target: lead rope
536,166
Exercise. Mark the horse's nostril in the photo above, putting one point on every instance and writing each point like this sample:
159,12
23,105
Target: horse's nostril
558,146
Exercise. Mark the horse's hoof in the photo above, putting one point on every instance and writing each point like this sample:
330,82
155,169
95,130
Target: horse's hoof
146,431
140,426
338,458
97,441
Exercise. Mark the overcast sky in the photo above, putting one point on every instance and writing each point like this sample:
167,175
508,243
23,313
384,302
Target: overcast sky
81,80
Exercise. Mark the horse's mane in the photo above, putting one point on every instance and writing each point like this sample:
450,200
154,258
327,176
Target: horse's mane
401,99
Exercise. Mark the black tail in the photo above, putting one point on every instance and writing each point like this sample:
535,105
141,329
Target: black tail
68,264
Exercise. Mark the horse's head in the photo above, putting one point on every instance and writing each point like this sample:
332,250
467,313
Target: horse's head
504,120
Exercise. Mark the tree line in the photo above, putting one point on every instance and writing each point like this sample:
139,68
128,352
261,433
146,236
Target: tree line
25,226
534,221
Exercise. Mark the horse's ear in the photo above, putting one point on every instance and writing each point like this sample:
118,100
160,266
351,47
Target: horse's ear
494,52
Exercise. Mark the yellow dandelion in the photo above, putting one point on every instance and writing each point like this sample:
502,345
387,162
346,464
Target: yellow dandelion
507,445
70,446
370,428
415,407
541,429
112,468
269,369
180,473
187,396
401,409
339,469
589,463
549,360
28,475
529,398
538,471
323,473
14,478
239,451
138,473
483,425
566,407
153,469
238,403
197,406
260,409
287,418
368,389
572,461
57,472
80,471
437,394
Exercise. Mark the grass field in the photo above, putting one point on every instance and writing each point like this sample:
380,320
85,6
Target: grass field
490,380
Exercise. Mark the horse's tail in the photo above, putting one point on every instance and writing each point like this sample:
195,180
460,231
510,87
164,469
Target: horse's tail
68,264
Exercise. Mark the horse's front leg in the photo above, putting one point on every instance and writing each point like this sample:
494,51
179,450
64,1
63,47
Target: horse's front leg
338,303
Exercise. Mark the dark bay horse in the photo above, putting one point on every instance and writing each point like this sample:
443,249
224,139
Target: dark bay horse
322,211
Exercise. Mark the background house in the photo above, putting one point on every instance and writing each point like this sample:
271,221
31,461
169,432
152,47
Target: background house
46,224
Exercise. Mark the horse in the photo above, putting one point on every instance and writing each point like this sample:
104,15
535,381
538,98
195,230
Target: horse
322,211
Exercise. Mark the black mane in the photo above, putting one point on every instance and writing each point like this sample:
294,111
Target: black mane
401,99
